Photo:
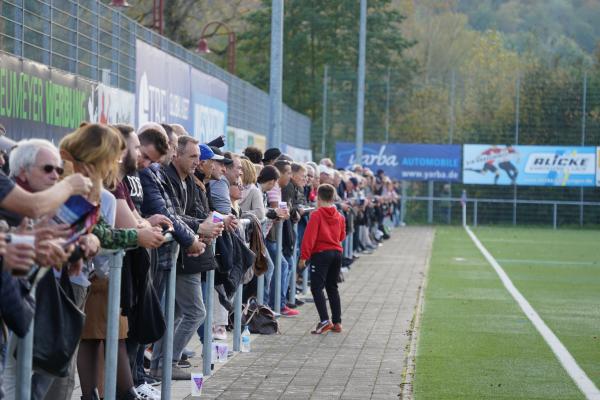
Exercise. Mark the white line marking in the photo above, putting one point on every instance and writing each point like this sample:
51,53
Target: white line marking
544,262
587,387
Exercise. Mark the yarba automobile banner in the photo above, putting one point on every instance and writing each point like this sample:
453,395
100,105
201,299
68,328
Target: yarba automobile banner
411,162
529,165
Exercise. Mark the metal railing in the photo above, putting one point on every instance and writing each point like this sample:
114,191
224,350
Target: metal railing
550,214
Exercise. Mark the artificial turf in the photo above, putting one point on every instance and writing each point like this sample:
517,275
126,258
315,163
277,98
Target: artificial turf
476,343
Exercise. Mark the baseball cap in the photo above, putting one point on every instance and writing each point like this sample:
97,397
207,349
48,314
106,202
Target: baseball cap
207,154
219,153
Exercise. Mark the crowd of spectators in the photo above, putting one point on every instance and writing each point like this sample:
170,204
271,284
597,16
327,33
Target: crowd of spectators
223,210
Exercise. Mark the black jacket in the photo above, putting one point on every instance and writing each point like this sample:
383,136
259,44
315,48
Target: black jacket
193,214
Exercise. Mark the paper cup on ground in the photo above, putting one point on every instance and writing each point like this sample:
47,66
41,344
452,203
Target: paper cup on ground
222,351
197,382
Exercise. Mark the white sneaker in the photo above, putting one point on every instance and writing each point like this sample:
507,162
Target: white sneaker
147,392
219,333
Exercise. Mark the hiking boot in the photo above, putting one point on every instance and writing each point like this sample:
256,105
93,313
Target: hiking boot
184,363
322,327
337,327
288,312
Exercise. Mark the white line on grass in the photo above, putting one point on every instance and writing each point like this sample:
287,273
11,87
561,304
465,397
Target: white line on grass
543,262
587,387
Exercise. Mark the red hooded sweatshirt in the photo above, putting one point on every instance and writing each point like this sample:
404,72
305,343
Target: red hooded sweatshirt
325,230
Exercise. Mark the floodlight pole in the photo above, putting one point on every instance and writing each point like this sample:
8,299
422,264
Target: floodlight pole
360,101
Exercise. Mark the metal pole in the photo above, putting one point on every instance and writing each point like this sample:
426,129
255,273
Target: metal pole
111,345
554,216
583,125
25,353
452,117
403,203
292,291
208,321
360,101
260,289
387,107
430,202
277,273
464,213
475,213
275,80
517,112
237,318
305,281
325,81
167,344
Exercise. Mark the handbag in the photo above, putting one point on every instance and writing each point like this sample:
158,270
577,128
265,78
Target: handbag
58,324
259,318
146,319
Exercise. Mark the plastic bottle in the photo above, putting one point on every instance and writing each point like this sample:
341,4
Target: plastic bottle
245,346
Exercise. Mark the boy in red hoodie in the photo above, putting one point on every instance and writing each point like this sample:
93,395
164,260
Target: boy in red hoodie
325,231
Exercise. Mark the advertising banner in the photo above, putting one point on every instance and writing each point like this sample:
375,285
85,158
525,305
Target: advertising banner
410,162
36,101
162,87
113,106
297,154
529,165
238,139
209,99
597,166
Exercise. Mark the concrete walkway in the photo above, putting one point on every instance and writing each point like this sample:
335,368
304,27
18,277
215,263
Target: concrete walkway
367,361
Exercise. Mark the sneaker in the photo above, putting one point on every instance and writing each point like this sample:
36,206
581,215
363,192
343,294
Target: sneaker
288,312
147,392
337,327
184,363
290,305
219,333
188,354
299,302
150,380
322,327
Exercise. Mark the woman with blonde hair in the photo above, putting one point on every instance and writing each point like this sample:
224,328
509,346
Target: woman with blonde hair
252,198
96,150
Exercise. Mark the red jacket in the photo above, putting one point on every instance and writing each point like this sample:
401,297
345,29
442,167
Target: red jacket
325,230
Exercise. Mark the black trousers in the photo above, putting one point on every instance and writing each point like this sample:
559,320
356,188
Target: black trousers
324,271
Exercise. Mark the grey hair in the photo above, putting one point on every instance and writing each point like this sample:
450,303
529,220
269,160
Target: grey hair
24,155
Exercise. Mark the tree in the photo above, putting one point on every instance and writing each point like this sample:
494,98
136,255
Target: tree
319,33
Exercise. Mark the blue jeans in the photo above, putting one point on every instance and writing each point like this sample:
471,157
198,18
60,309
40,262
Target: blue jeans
285,272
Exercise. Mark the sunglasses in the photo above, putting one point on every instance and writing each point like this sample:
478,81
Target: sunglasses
51,168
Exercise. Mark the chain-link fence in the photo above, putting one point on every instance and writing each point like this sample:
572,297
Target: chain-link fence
87,38
540,106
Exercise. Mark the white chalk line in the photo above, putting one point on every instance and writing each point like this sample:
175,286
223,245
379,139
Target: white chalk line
583,382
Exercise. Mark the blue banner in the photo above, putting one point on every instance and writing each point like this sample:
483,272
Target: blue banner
409,162
529,165
162,87
209,98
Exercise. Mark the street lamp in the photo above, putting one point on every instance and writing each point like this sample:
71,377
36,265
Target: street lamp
203,43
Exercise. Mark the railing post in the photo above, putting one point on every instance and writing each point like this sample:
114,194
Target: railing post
554,216
475,213
208,321
277,273
112,326
305,281
25,353
292,291
237,318
403,203
260,289
430,202
167,344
